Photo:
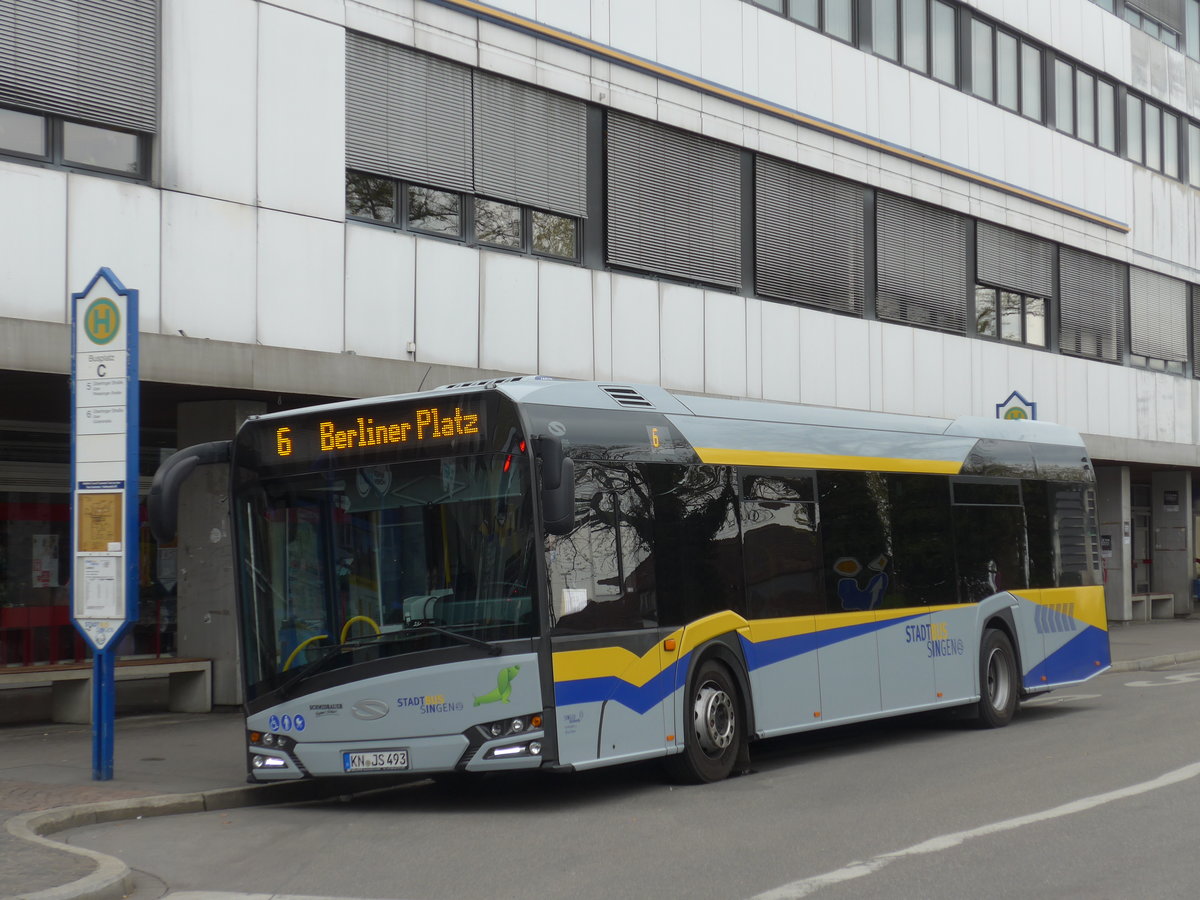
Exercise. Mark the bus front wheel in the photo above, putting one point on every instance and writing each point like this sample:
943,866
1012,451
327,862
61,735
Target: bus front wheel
713,729
998,682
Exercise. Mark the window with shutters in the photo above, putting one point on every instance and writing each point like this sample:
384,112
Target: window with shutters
58,104
1014,281
1195,314
921,265
1092,305
674,202
1158,321
441,149
808,237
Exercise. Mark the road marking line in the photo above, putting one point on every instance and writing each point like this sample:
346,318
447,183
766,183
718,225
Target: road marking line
807,886
1171,680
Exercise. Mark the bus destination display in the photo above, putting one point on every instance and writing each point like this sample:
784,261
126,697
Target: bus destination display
397,430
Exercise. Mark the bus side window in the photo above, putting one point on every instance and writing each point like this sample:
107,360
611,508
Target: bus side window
696,541
782,547
989,527
855,541
602,571
922,534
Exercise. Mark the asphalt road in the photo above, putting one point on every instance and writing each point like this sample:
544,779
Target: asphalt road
1089,793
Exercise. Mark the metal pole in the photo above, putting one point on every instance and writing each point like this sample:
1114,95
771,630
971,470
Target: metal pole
103,714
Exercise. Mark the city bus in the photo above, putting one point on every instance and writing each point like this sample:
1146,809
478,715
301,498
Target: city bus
538,573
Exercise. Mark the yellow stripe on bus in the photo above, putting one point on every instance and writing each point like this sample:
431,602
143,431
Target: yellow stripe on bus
1087,602
726,457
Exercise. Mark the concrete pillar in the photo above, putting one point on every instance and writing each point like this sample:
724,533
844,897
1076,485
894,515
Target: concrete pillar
1171,523
1112,508
207,614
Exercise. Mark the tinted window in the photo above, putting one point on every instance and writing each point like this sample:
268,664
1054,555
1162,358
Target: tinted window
990,544
855,543
922,541
602,571
696,542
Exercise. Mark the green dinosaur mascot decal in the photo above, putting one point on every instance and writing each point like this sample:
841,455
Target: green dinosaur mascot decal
503,687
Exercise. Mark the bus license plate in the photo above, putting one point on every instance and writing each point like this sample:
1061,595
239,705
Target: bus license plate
374,760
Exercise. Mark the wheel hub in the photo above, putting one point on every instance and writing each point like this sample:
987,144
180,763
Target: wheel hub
714,719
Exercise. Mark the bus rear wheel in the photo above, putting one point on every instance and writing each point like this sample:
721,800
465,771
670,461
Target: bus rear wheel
713,730
999,685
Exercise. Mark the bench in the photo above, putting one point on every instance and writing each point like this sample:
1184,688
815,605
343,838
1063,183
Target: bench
189,687
1152,606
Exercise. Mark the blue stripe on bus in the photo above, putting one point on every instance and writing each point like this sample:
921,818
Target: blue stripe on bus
1074,661
765,653
609,687
642,699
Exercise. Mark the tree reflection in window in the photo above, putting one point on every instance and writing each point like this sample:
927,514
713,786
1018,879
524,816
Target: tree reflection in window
554,235
497,223
437,212
368,197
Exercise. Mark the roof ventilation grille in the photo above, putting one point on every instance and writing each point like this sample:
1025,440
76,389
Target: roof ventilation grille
626,396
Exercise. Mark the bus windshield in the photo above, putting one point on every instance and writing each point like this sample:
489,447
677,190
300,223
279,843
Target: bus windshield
385,559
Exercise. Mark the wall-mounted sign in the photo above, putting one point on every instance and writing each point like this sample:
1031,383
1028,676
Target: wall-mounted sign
1016,407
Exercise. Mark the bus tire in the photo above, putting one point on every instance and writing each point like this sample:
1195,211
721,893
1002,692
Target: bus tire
999,685
713,727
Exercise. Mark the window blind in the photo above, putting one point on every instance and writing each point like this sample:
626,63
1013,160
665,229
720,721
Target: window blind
808,237
1158,316
1015,261
921,258
1092,305
408,114
530,146
674,202
1195,310
93,60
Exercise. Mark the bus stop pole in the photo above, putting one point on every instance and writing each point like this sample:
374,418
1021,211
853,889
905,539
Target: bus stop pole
103,714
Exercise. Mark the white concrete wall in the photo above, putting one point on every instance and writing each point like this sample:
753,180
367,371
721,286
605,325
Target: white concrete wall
245,240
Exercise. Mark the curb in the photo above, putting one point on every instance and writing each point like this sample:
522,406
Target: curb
112,878
1155,662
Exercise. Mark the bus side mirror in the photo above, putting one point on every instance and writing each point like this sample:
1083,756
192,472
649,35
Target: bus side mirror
162,503
558,485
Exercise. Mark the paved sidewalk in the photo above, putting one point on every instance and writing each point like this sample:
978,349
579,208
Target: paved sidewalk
172,763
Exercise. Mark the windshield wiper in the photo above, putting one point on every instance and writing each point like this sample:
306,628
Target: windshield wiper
492,649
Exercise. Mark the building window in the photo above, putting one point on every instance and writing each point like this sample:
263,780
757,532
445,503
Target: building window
884,31
1192,28
498,224
1010,316
1084,105
943,34
982,36
1092,305
1014,273
915,34
433,211
1194,154
1151,135
475,153
834,17
23,133
808,237
1006,69
475,220
1152,26
674,202
48,139
921,265
1158,321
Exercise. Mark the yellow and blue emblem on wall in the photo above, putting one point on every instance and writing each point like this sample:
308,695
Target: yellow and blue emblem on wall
1016,407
